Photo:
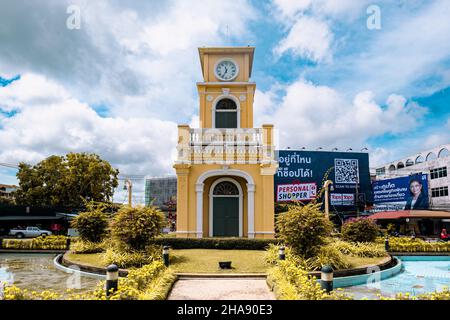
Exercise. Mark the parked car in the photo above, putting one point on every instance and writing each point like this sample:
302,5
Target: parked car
29,232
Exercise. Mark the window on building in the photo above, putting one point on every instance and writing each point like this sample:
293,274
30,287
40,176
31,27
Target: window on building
380,171
443,153
431,156
400,165
391,168
438,173
419,159
439,192
226,114
409,163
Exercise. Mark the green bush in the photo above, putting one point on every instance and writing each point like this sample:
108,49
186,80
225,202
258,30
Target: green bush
130,258
137,226
360,230
359,249
215,243
92,225
40,243
82,246
291,282
327,255
304,228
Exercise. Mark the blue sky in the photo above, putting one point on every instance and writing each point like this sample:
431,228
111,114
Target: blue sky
120,84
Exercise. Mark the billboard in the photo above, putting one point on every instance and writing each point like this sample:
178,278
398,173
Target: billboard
403,193
301,175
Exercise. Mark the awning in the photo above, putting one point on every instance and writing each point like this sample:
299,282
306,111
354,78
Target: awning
403,214
13,218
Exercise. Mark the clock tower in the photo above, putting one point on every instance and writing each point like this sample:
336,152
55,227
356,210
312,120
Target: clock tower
225,168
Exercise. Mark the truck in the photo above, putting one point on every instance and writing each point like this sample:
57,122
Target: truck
29,232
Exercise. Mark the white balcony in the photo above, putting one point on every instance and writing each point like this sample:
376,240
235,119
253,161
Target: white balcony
225,146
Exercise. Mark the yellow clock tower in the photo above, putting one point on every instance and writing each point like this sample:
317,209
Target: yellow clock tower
225,168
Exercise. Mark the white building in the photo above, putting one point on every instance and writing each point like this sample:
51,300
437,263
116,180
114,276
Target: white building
435,162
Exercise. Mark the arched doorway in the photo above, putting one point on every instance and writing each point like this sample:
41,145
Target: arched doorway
225,212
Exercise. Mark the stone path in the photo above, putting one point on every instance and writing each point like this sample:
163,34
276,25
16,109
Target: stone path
221,289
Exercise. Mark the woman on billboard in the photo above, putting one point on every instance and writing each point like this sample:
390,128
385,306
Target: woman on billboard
418,198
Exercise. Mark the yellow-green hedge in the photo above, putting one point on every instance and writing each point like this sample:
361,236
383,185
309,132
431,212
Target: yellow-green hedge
39,243
397,244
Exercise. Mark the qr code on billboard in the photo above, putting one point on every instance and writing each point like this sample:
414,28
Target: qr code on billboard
346,170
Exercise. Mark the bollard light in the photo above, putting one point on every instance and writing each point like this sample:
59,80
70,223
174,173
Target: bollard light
386,244
282,253
68,243
326,278
112,279
166,255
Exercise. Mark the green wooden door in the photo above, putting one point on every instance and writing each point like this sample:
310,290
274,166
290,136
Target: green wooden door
226,217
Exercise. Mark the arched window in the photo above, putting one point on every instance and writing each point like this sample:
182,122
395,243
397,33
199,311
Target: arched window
419,159
409,163
443,153
431,156
226,188
391,168
226,114
400,165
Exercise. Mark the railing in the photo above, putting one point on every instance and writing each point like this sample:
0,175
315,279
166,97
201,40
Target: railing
225,146
226,136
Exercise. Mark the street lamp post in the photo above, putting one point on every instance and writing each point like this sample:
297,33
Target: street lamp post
129,187
327,205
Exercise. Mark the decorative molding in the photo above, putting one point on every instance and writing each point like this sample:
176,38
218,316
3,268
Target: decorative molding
209,97
226,91
242,97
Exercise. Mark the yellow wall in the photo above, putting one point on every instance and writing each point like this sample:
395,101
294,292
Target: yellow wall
264,196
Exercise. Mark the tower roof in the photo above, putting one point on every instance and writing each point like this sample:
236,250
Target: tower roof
224,50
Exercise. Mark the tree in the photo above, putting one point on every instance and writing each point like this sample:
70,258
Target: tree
92,225
137,226
66,181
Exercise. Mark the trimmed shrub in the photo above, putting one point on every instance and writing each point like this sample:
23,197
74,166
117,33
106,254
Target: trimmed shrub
92,225
137,226
304,228
40,243
360,230
403,244
215,243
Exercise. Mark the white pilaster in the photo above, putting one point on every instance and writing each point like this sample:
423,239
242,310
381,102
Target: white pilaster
251,210
199,191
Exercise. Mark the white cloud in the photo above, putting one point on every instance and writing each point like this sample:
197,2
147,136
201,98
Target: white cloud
313,116
51,121
308,38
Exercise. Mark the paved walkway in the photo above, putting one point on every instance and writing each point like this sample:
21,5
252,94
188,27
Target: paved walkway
221,289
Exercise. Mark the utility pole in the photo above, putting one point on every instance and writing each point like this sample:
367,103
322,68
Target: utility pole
326,185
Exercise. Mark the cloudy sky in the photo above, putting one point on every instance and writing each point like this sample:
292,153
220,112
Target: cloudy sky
119,85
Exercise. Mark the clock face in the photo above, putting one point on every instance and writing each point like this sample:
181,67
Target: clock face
226,70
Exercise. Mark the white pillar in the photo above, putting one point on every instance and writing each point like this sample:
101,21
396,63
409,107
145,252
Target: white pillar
251,210
199,191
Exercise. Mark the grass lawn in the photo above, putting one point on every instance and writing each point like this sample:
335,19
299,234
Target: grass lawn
90,259
207,261
356,262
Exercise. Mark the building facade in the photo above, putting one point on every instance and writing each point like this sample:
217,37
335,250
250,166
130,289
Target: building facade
225,167
434,162
160,190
